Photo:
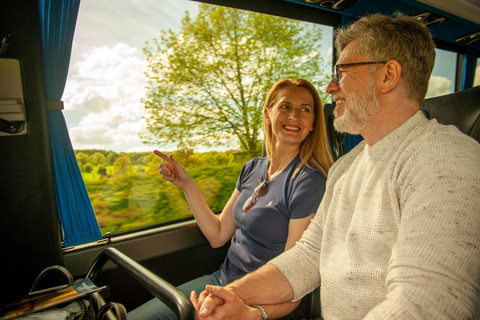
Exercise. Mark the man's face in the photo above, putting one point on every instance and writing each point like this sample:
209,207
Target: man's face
355,95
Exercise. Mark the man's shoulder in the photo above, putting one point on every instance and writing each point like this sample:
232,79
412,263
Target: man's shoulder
448,137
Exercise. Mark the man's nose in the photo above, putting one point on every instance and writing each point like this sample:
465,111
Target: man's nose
332,87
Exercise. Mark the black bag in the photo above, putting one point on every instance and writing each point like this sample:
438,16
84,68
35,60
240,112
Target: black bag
74,300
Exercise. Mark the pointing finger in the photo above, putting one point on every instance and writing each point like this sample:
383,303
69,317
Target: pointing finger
161,155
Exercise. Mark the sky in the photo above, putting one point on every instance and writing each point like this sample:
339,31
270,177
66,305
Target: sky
106,80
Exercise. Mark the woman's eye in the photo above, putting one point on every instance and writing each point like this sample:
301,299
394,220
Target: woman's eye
283,107
306,110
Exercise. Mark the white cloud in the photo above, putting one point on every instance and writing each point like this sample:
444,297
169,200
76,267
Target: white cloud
438,86
104,92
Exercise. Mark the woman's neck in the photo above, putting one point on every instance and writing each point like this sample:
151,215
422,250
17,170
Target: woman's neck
280,159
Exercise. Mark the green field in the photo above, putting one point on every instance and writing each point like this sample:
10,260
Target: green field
129,196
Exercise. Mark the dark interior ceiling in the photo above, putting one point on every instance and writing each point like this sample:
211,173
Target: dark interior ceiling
448,20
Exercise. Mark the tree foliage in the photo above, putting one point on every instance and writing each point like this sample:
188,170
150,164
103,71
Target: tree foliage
97,158
122,165
208,82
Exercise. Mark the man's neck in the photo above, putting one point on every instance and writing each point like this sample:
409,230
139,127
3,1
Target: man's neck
388,119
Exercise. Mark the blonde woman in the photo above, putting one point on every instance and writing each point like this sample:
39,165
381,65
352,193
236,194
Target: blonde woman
274,199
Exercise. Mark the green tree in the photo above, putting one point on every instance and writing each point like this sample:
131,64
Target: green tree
82,159
88,168
122,165
97,158
208,82
111,157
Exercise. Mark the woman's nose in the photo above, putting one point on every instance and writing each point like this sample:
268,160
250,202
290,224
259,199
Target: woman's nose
294,114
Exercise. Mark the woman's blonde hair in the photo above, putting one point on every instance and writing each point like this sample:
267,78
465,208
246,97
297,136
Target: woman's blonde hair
314,150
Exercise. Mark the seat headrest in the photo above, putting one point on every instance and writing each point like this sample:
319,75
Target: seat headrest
462,109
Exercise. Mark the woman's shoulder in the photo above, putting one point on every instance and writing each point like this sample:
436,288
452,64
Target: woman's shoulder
255,163
310,172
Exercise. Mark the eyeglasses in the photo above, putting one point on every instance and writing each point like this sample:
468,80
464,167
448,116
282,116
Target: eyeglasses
256,193
335,75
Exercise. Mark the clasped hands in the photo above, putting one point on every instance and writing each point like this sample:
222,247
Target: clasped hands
217,303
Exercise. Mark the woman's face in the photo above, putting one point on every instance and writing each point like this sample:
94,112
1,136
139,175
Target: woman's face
291,117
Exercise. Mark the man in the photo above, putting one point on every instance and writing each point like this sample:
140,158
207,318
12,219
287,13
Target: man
397,235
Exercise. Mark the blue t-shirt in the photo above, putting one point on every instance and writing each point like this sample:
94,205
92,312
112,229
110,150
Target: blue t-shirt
262,231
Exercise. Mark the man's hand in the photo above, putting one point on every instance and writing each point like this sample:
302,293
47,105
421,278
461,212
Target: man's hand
218,303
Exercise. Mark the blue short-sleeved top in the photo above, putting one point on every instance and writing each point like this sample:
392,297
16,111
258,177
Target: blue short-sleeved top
263,230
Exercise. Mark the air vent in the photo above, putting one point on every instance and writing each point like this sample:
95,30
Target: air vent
333,4
430,19
469,39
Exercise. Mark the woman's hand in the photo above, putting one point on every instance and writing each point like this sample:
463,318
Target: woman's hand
173,171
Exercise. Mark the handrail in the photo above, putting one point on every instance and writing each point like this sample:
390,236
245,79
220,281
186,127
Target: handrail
171,296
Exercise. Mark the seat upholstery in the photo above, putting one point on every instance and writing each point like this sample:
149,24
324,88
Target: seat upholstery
335,138
462,109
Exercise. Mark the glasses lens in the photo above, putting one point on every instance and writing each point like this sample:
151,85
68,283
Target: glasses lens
334,77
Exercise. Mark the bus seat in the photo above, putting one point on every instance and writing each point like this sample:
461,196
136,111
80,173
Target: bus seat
461,109
335,138
313,307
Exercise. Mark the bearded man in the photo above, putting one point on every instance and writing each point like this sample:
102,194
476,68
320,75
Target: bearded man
397,234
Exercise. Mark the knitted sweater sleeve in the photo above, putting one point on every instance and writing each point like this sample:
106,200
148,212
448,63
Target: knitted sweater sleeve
434,269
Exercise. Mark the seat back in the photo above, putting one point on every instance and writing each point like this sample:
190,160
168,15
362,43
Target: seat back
335,138
461,109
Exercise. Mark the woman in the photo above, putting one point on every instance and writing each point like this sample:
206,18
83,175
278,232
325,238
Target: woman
275,196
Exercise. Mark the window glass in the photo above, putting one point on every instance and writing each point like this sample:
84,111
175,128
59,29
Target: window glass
182,77
442,81
476,79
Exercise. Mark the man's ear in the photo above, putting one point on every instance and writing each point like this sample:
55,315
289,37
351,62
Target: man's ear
391,76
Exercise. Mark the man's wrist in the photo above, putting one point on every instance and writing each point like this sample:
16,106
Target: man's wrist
263,313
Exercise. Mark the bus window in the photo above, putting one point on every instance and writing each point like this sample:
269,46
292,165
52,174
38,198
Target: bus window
476,79
183,77
442,81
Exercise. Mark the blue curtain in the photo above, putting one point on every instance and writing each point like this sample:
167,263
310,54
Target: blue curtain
58,19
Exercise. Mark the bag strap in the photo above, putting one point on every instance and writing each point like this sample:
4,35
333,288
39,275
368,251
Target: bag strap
56,268
117,308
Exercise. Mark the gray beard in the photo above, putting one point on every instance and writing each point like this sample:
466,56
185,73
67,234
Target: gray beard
362,108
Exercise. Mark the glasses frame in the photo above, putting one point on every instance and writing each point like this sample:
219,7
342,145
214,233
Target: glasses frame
256,193
354,64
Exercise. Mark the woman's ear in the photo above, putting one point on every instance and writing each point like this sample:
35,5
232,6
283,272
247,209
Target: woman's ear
391,76
265,114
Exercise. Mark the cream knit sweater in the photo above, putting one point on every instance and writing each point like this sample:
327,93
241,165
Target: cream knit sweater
397,235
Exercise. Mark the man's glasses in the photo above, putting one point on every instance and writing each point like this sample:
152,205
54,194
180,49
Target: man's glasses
256,193
335,75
